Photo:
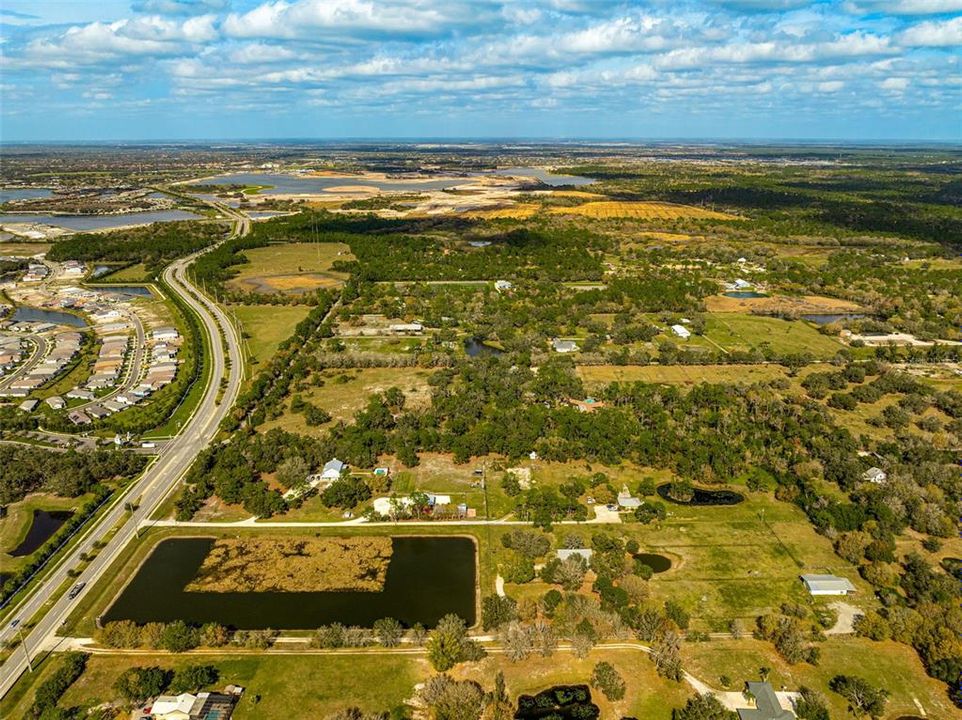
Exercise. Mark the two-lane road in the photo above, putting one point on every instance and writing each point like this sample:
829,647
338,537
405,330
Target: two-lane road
152,487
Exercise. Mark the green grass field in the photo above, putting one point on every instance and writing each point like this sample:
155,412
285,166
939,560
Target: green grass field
289,686
290,267
131,273
889,665
265,327
735,331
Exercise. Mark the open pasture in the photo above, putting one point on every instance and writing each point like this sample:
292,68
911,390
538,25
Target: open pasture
735,331
267,326
344,392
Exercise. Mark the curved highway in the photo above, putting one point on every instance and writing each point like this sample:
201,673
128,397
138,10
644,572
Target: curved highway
151,488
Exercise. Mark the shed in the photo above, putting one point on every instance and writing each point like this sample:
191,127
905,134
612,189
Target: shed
681,331
827,585
564,346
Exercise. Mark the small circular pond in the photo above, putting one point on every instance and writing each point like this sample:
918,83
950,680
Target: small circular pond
701,496
657,563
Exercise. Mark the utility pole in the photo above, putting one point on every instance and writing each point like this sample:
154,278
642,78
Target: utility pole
19,628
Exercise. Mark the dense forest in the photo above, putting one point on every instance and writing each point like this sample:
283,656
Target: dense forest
849,199
27,470
153,245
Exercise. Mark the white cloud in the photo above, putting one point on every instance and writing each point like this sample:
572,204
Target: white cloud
934,33
303,18
906,7
895,84
830,86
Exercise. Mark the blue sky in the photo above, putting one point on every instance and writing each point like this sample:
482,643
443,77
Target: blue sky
196,69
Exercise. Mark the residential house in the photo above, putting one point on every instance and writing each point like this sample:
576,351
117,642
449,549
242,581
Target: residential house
564,346
767,706
875,475
681,331
332,469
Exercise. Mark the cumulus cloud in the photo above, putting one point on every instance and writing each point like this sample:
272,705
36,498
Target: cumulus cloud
304,18
934,33
440,57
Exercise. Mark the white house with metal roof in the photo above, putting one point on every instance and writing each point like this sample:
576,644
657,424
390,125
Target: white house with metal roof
827,585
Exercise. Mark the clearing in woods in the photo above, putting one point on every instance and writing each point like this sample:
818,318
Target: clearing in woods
291,268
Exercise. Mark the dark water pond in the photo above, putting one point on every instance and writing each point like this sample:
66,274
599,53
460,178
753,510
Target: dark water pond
29,314
657,563
831,318
130,290
474,347
45,524
427,578
744,294
98,222
704,497
561,702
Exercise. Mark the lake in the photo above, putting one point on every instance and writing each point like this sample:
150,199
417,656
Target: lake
97,222
29,314
427,578
287,184
8,194
45,524
545,177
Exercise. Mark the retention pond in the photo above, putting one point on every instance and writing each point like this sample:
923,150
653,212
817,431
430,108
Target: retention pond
45,524
427,578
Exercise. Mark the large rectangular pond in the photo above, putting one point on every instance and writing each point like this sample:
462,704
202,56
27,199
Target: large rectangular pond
427,578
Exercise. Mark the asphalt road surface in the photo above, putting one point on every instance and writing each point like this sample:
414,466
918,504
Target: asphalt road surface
151,488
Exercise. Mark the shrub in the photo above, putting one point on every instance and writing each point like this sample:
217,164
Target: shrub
606,678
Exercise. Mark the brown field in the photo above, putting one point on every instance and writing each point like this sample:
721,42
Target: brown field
807,304
519,211
577,194
596,376
291,564
642,211
287,283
